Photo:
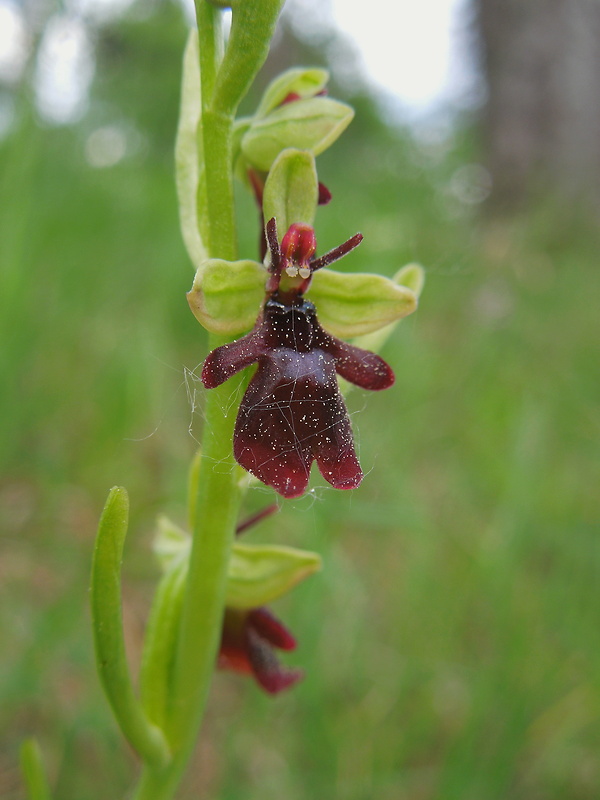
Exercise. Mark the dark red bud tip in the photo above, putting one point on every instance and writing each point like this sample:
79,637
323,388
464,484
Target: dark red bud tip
299,244
270,674
290,98
280,679
324,194
271,629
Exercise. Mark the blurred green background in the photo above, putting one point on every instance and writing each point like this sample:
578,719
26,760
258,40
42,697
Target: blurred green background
452,643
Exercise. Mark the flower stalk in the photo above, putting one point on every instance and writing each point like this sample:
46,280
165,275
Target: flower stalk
216,491
210,606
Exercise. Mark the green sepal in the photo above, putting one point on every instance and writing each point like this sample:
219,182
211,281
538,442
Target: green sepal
303,82
259,573
309,124
411,276
292,189
226,296
356,303
189,159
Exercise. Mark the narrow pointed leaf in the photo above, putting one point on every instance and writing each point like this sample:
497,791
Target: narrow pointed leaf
33,772
160,642
109,640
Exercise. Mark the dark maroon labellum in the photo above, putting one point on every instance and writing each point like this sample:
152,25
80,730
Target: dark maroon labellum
292,412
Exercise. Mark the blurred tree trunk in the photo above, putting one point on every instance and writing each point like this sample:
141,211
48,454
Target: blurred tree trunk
541,61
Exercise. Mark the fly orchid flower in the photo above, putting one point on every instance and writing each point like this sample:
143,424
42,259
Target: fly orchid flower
248,643
258,574
293,412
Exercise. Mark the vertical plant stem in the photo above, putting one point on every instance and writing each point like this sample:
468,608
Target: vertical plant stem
217,504
216,490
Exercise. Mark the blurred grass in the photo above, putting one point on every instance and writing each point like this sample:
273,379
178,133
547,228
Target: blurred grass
452,645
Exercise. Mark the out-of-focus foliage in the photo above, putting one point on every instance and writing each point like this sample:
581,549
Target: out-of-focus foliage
451,642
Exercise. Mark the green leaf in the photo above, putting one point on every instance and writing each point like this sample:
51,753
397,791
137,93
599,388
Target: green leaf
355,303
160,641
303,82
311,124
109,639
227,296
292,189
259,574
189,160
33,772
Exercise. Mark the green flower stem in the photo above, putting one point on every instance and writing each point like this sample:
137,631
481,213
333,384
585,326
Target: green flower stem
252,28
209,21
217,503
222,240
217,506
217,492
253,24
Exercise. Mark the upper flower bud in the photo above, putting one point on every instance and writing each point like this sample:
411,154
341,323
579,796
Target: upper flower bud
294,112
291,192
293,84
